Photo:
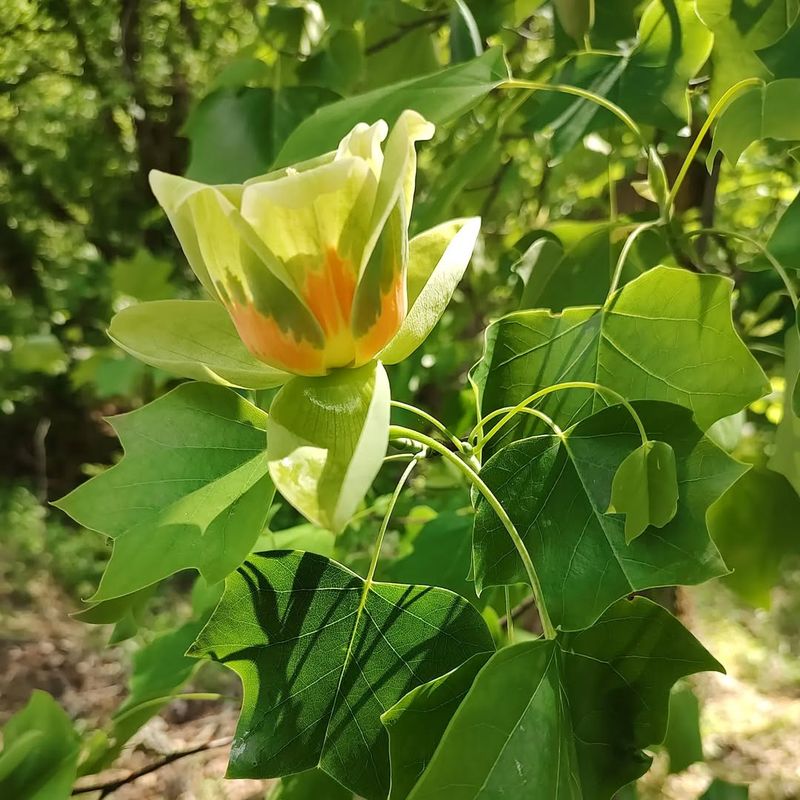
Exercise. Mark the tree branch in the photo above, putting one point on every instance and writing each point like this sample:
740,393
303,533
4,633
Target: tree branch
437,21
107,788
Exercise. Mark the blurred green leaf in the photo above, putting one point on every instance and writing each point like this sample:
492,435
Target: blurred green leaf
235,133
439,98
721,790
786,451
40,752
39,353
441,556
683,740
754,524
143,276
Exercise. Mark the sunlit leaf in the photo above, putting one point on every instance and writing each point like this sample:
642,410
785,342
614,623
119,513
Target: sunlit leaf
321,655
763,112
439,98
668,335
740,28
191,492
566,718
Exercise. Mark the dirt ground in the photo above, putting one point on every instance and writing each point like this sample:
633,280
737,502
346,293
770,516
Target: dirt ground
750,720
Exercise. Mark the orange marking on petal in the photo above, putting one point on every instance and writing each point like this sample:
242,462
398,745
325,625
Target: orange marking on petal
393,312
264,338
329,293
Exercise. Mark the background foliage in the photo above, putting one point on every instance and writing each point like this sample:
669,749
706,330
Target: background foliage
95,95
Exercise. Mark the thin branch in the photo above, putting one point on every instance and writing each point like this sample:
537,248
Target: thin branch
437,21
526,605
107,788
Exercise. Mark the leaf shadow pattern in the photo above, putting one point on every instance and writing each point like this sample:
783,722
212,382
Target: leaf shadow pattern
321,657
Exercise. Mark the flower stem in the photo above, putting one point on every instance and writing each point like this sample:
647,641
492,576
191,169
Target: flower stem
397,432
376,554
519,408
625,252
515,83
431,419
718,108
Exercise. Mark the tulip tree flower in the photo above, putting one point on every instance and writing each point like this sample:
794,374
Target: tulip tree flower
314,285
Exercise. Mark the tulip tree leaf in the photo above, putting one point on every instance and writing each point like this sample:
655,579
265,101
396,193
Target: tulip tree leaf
763,112
755,527
556,490
645,488
236,132
436,262
417,723
321,654
568,717
740,28
667,335
191,339
326,441
311,785
439,97
39,759
191,492
683,740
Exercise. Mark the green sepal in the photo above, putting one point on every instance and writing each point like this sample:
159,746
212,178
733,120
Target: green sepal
326,439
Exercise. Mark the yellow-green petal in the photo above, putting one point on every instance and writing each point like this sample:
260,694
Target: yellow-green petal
191,339
437,261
